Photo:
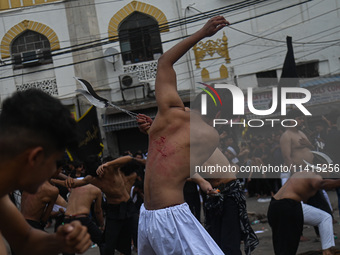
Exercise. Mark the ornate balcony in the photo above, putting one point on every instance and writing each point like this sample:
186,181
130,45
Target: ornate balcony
146,70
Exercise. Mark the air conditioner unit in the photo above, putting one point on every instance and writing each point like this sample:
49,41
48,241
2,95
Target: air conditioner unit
128,80
32,58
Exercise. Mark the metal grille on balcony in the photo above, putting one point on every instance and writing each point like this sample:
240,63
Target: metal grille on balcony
146,70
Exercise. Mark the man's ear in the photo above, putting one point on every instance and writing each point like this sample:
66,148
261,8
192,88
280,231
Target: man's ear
35,155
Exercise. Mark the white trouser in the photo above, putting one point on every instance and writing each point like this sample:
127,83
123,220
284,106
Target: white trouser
315,217
327,199
173,230
284,178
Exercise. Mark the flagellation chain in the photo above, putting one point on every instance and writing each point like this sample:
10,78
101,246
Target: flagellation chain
97,100
131,114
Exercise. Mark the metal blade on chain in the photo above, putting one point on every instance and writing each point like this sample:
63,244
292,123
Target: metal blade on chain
91,99
87,87
98,101
325,158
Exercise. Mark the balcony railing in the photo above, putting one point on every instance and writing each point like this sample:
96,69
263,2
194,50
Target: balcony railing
146,70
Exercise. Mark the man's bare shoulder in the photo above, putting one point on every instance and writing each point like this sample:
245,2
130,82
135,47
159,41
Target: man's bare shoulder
307,179
4,200
51,189
7,209
172,114
93,188
286,134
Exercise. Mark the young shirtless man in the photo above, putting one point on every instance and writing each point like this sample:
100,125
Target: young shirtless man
170,155
294,144
226,215
285,213
296,148
35,129
79,207
36,208
120,208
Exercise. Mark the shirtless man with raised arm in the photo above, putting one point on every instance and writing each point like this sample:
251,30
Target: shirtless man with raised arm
169,160
35,129
226,215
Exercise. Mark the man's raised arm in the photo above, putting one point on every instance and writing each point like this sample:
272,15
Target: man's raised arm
72,182
113,165
166,85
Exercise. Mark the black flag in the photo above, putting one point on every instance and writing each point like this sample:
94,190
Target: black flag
289,77
89,137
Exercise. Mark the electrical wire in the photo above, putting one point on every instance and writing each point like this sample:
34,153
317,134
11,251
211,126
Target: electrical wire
88,46
175,23
104,56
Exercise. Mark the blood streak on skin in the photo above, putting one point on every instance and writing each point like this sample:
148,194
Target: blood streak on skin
160,144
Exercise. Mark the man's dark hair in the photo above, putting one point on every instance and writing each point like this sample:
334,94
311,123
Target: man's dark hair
33,118
294,113
130,167
91,164
333,116
226,108
107,159
139,184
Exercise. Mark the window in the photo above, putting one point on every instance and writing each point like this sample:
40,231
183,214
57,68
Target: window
308,70
139,38
30,49
266,78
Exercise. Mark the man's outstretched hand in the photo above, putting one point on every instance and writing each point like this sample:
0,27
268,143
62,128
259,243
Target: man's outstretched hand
214,25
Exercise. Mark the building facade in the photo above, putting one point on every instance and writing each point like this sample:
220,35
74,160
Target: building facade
115,46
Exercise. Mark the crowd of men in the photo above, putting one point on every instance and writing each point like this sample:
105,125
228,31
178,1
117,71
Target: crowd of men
153,203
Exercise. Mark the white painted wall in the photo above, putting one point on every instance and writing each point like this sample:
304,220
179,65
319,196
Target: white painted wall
52,15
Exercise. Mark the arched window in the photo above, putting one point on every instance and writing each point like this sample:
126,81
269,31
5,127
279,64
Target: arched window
139,38
30,49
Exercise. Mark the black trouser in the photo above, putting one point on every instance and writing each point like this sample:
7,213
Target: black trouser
192,198
118,227
95,233
134,228
225,228
285,218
